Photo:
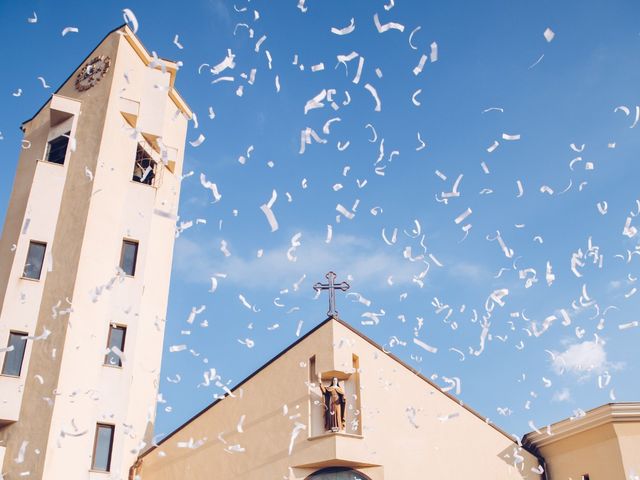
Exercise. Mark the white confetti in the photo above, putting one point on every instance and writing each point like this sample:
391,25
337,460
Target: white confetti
548,36
224,249
345,30
129,16
343,211
460,218
418,68
69,30
506,136
428,348
44,82
434,52
266,209
625,326
295,243
21,452
211,186
387,26
414,97
329,234
227,62
199,141
374,94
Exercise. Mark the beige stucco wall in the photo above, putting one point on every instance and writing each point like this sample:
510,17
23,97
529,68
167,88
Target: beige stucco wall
84,222
594,452
629,441
390,446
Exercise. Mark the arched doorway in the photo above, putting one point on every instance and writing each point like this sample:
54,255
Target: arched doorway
337,473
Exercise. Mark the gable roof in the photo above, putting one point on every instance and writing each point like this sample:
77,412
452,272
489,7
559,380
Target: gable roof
365,338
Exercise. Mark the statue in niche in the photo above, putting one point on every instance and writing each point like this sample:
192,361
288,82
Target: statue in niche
335,405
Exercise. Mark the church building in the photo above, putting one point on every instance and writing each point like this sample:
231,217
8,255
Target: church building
85,262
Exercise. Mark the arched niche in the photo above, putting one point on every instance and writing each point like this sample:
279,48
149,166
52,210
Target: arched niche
337,473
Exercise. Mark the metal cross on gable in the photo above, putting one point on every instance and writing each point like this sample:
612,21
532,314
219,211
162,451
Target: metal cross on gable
332,287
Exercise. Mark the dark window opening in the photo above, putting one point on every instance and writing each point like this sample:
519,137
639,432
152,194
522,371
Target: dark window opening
14,356
144,170
57,149
102,447
337,473
115,344
585,476
35,259
129,257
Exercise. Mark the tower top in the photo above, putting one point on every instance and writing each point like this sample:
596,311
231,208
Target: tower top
149,59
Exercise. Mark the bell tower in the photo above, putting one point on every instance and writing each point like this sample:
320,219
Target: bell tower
85,262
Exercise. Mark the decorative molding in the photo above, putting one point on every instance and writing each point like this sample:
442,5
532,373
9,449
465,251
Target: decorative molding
605,414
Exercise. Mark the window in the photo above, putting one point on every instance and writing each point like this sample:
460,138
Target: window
337,473
115,342
585,476
102,447
144,169
57,149
15,354
128,257
35,258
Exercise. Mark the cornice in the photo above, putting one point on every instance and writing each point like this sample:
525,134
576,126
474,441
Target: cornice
602,415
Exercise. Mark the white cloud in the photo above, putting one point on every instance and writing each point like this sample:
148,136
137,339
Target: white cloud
583,359
366,264
470,271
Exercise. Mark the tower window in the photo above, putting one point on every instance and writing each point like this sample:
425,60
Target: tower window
35,259
115,343
102,447
144,169
585,476
15,354
129,257
57,149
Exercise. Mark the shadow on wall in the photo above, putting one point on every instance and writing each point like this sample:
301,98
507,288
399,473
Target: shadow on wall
517,462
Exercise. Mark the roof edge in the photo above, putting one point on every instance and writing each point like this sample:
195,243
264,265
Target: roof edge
430,382
368,340
238,385
608,413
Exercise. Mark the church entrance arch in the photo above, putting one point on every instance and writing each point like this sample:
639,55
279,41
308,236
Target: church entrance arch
337,473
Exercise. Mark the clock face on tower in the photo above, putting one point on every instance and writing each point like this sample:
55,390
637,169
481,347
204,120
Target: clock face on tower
92,72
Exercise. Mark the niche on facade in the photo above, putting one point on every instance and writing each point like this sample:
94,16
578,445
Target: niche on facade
335,407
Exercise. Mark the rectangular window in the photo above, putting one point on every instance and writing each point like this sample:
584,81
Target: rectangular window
102,447
14,356
144,169
115,342
57,149
585,476
35,259
128,257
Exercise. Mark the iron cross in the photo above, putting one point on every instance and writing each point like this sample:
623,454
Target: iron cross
332,287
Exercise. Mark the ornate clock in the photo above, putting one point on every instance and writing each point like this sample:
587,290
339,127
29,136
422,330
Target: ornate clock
92,72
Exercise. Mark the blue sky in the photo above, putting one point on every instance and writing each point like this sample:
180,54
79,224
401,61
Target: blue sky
491,55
